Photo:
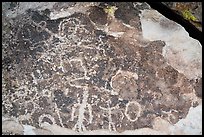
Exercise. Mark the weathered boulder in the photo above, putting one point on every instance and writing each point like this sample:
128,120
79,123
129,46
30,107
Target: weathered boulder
86,68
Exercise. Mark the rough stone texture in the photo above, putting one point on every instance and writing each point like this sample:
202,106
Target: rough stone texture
98,68
191,11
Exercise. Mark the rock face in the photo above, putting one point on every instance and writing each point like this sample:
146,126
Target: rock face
191,11
98,68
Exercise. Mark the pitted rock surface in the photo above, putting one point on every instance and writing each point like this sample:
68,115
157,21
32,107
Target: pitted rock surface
90,71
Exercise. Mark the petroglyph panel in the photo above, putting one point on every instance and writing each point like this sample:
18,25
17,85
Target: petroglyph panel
92,70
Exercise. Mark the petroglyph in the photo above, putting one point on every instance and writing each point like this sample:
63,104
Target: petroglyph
86,71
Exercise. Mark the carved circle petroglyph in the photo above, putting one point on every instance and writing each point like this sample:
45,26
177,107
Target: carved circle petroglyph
133,111
124,82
